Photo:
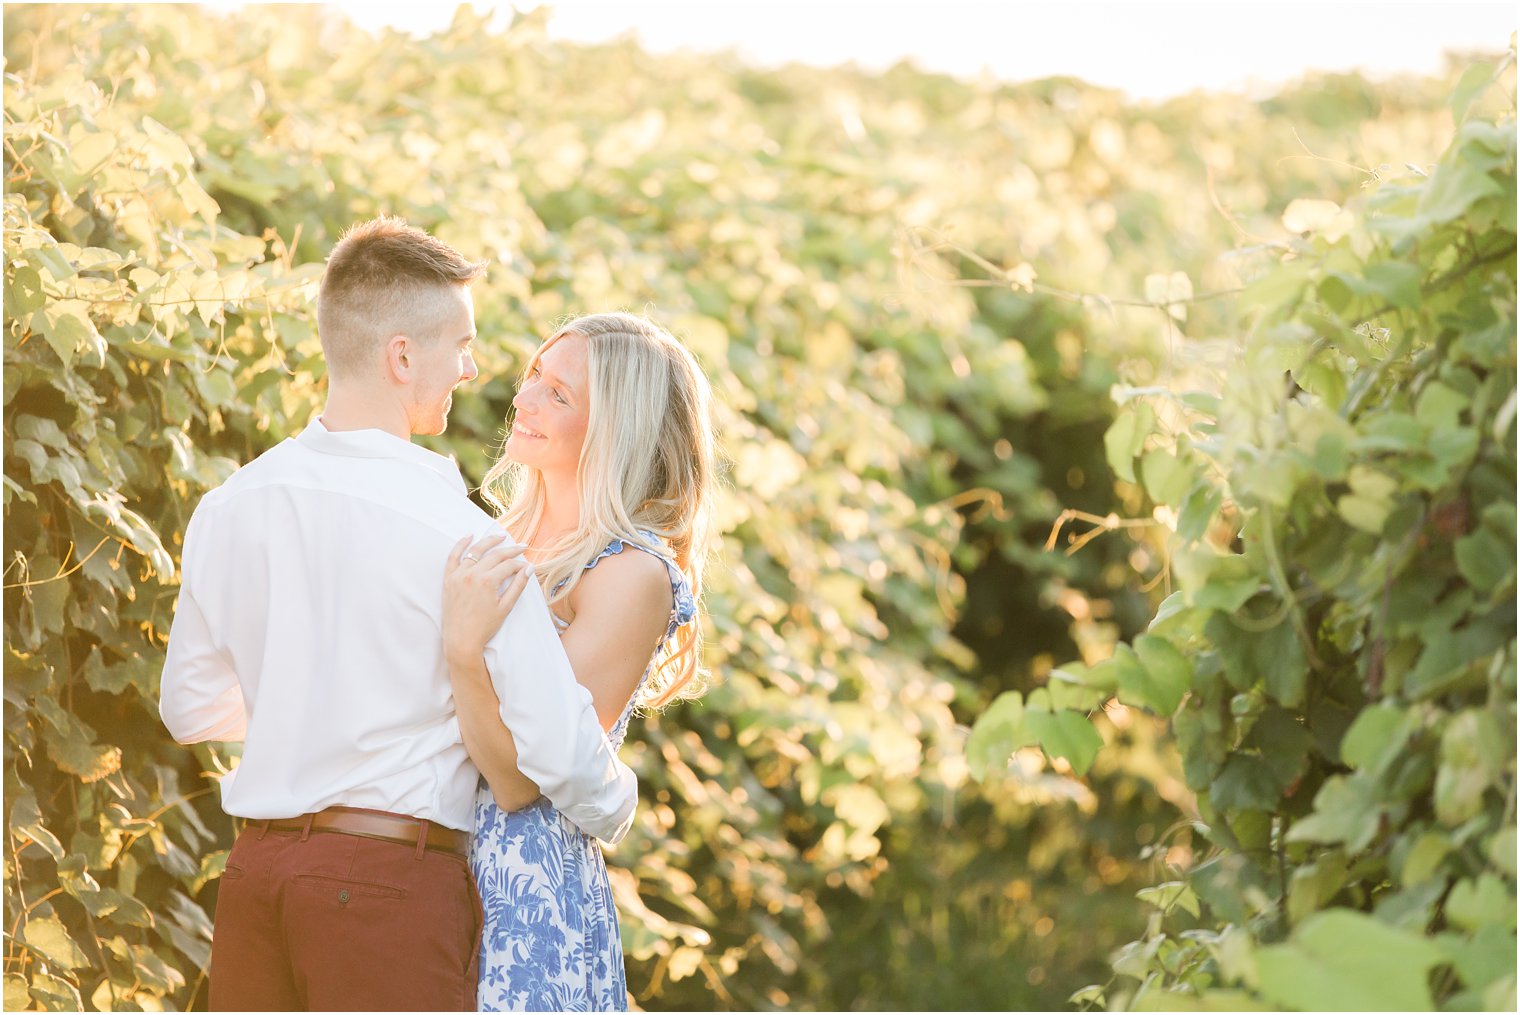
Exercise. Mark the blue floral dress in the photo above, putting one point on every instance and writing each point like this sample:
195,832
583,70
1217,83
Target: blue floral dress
550,940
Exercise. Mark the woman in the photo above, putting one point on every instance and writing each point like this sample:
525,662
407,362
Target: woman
610,450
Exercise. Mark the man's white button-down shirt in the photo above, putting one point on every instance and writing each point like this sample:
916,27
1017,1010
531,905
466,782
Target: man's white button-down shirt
309,627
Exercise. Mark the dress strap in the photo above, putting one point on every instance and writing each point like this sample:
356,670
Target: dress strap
683,608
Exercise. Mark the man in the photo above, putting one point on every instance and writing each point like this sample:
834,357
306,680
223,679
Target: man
308,627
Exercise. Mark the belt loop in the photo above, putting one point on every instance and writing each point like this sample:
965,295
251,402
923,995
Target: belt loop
422,830
306,827
263,827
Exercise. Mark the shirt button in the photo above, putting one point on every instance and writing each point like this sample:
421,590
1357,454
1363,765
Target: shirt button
343,896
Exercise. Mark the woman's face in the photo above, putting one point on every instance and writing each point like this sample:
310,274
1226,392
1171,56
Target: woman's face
552,408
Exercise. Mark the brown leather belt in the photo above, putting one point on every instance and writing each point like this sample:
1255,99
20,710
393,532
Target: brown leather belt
374,825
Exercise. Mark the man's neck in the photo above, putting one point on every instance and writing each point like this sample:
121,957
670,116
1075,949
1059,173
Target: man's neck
357,410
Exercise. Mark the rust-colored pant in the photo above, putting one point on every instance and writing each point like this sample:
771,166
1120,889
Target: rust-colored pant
328,921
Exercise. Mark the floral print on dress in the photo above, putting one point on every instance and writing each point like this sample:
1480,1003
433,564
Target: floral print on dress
550,940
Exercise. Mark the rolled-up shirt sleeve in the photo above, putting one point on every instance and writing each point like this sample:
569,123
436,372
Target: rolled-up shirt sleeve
561,745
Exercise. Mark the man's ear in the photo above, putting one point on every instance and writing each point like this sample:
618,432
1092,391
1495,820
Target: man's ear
399,352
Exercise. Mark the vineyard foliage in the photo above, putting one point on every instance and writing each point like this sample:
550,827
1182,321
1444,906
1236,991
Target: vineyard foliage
910,293
1334,489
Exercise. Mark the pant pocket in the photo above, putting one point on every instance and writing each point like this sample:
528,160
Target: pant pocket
346,889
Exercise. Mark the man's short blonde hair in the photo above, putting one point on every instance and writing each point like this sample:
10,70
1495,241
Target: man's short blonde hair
385,278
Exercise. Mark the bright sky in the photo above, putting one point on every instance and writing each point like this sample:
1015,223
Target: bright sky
1149,49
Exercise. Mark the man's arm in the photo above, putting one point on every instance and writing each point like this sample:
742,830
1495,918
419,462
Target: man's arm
559,741
200,697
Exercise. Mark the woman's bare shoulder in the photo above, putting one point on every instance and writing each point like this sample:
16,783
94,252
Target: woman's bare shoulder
627,575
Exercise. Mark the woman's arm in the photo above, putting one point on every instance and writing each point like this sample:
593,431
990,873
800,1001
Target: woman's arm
489,743
472,612
621,611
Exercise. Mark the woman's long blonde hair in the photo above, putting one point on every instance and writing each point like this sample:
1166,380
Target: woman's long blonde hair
646,463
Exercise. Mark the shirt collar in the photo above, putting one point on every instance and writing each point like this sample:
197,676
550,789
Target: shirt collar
379,444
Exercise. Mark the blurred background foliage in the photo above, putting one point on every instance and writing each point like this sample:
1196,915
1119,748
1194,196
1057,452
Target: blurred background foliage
914,295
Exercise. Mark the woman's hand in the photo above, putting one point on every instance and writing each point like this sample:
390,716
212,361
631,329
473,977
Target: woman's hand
481,584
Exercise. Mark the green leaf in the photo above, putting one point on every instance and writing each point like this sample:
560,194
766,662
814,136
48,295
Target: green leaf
1440,407
1247,782
53,260
1276,292
1484,560
1170,292
1501,850
1074,686
1346,811
1453,190
1482,901
1500,995
1488,956
1160,680
1378,736
1283,743
1203,750
47,936
1120,671
1166,477
1068,735
1310,215
17,997
1273,658
1278,656
1473,754
1216,581
26,820
23,293
1172,614
1315,884
1331,456
1365,513
74,876
70,743
1090,994
1346,961
1126,436
41,430
1397,282
1198,510
89,151
1474,81
55,993
1391,431
1206,1000
999,732
122,909
1168,894
1423,857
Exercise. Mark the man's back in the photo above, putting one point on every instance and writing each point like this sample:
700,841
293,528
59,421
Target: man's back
312,592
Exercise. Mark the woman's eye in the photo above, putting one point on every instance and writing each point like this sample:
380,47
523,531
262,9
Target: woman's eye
558,397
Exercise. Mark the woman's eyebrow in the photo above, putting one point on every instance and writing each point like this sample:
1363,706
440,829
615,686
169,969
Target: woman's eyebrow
556,379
